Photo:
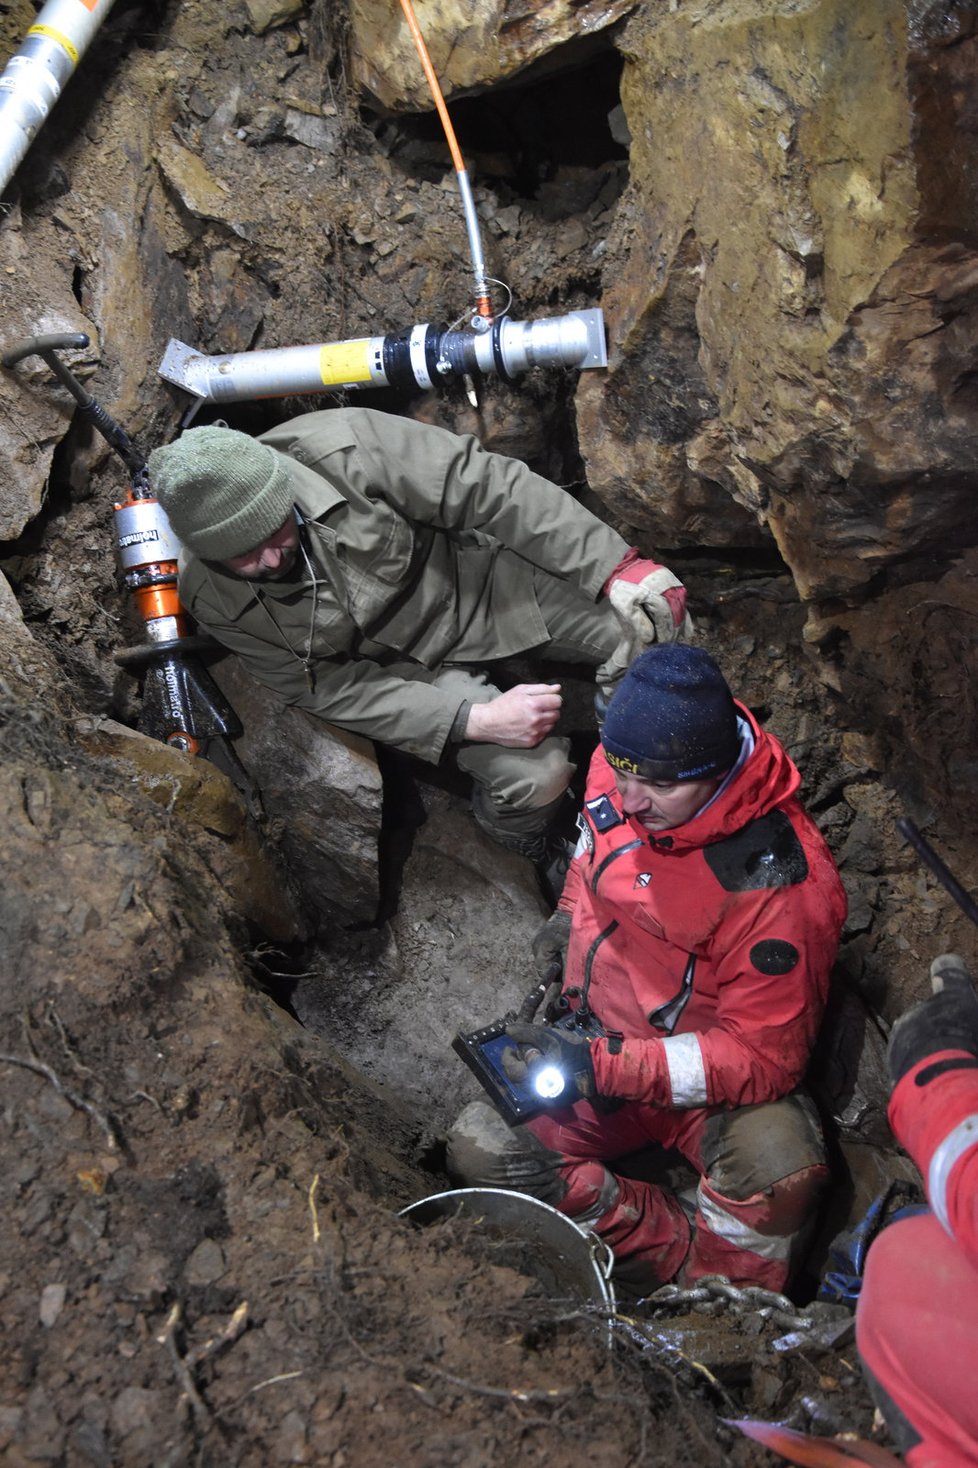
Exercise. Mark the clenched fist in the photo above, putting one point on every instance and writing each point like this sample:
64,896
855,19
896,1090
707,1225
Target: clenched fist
517,719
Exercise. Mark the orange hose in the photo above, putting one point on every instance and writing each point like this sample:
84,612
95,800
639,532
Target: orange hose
436,93
482,300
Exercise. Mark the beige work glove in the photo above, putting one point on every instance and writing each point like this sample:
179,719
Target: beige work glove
649,603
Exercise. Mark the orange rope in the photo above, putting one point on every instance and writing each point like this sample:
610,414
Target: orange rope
429,72
482,300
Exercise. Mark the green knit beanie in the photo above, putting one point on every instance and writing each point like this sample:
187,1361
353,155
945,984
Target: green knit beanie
223,492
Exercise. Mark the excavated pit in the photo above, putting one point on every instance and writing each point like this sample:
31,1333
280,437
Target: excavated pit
218,1095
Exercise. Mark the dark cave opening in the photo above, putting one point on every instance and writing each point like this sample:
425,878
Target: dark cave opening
517,138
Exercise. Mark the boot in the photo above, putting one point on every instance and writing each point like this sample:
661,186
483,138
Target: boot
529,833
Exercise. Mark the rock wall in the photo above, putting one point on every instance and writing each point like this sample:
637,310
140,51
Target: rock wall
792,327
792,316
470,46
793,330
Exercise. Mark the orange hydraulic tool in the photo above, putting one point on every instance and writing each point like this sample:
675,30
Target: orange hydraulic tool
182,706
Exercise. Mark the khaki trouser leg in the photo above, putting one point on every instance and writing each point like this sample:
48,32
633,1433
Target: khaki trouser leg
764,1173
518,792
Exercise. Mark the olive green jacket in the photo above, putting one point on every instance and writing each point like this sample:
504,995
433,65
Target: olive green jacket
420,541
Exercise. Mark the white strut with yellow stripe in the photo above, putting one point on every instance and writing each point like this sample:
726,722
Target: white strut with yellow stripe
35,76
417,358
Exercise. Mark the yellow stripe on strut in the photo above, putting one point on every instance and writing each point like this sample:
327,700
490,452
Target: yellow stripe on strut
343,362
59,39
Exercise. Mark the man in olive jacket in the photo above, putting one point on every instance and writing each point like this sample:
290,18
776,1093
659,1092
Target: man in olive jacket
366,567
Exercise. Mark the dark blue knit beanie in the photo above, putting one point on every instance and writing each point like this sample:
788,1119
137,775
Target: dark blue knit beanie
672,717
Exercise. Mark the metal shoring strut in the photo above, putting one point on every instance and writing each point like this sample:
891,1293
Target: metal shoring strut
35,76
182,706
934,864
417,357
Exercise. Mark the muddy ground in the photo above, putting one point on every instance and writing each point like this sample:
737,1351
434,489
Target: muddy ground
210,1130
205,1263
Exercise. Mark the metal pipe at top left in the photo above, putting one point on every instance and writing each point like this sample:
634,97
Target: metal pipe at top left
36,75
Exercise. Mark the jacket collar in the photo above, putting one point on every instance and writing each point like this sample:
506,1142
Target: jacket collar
766,778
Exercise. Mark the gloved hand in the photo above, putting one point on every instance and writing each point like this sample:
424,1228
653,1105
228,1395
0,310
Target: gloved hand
948,1020
650,605
568,1050
550,942
648,600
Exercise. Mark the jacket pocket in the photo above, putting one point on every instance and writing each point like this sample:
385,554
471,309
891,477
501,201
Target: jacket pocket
376,546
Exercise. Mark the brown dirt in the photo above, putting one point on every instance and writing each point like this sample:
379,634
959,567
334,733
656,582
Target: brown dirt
203,1261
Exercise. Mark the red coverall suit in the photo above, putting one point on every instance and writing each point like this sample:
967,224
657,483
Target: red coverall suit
917,1316
708,947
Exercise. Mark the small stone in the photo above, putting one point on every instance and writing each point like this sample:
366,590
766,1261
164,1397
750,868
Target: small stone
205,1265
573,236
321,133
52,1304
364,230
264,14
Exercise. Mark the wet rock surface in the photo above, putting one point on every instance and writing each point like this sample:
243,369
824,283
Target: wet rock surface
225,1040
321,795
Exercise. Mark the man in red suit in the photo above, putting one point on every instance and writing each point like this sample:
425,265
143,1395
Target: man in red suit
698,926
917,1315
